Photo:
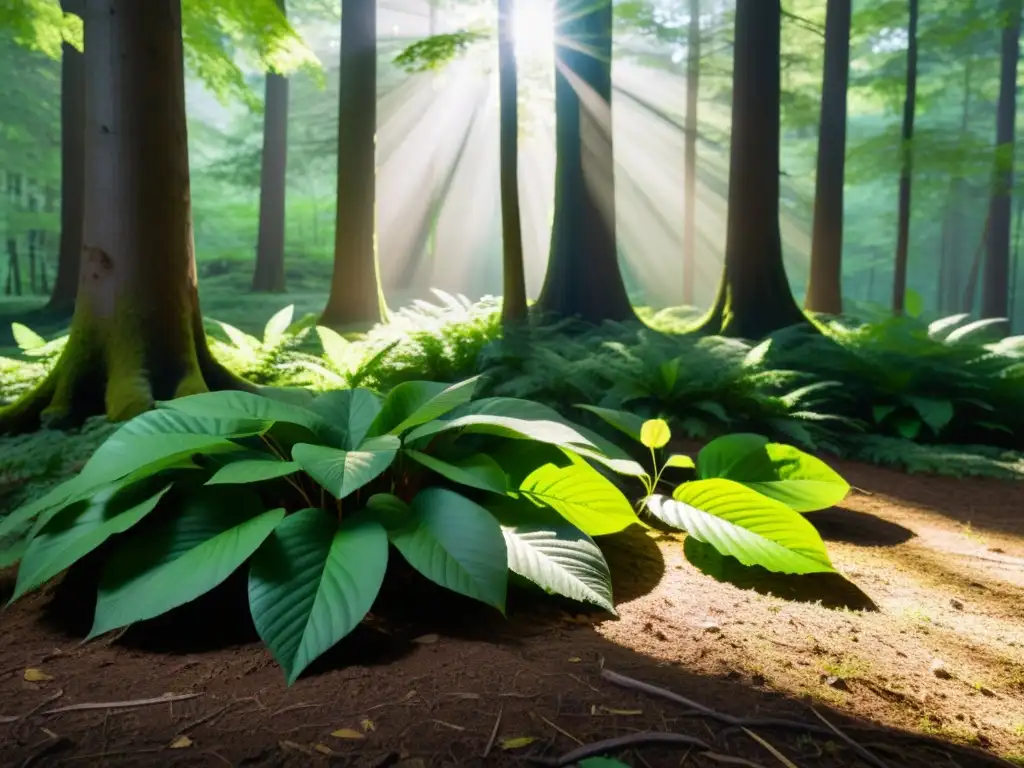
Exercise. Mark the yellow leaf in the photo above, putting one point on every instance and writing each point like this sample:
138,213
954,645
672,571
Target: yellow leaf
655,433
574,659
516,742
679,461
37,676
368,725
180,742
323,749
426,639
347,733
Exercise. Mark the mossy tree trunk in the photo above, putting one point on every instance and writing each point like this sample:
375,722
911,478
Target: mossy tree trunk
995,291
825,285
137,333
583,277
72,171
754,298
513,305
355,299
899,281
269,274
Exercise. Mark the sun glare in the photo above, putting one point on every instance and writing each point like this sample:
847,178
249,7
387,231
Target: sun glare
533,29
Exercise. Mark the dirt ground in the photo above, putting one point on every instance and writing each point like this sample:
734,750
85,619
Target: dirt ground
918,658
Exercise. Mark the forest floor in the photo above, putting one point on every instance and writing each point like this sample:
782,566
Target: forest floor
919,663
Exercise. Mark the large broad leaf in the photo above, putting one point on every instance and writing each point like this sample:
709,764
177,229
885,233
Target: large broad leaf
246,405
739,521
934,412
717,458
456,543
477,471
254,469
628,423
581,495
214,532
550,432
277,326
786,474
76,531
350,412
413,403
555,555
312,582
53,500
343,472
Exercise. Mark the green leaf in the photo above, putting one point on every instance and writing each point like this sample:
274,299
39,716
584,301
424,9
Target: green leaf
714,409
627,423
337,349
655,434
388,510
581,495
276,328
349,411
252,470
934,412
679,461
555,555
880,412
76,531
717,457
312,582
456,543
343,472
11,553
26,338
787,474
913,303
246,405
413,403
478,471
53,500
908,428
550,432
739,521
215,531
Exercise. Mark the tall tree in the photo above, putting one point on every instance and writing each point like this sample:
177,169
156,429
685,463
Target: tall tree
513,306
899,288
824,288
690,212
136,334
995,299
72,178
583,277
269,274
355,299
754,298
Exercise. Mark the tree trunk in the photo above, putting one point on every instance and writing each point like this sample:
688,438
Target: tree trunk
995,291
355,299
136,334
269,274
72,173
13,268
583,277
825,286
754,298
690,182
899,287
513,305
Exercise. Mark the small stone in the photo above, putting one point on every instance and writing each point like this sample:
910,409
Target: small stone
835,682
955,604
938,668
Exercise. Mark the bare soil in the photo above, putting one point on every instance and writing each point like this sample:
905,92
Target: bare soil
918,656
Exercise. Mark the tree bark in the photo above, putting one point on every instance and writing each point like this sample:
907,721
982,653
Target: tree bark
269,274
899,287
72,173
136,333
513,305
824,288
690,181
583,278
995,292
754,298
355,300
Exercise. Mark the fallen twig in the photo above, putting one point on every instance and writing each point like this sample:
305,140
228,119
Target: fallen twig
864,753
91,705
206,718
620,743
8,719
562,731
494,731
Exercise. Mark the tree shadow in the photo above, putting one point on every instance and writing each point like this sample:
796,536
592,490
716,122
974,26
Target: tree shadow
860,528
829,589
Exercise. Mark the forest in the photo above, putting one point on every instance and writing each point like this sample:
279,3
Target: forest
599,383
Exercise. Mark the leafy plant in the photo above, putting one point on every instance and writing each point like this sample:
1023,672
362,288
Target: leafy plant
261,359
311,494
